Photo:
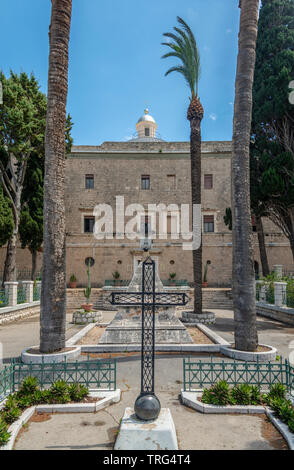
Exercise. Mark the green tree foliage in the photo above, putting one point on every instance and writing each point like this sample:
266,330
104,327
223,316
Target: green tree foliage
6,218
272,148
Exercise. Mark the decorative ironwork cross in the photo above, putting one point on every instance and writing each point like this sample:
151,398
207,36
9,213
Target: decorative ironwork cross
148,300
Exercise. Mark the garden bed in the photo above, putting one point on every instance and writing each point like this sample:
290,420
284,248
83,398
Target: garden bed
18,408
248,399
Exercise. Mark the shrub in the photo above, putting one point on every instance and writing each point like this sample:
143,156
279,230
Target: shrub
278,391
28,386
256,398
23,401
218,394
241,394
77,392
11,415
59,392
4,434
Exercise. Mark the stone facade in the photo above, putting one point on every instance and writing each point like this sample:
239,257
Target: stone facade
116,169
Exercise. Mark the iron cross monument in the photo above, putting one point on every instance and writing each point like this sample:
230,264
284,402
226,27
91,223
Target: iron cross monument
147,405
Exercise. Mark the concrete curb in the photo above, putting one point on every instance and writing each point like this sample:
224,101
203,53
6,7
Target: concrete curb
212,335
80,334
108,398
282,428
190,399
103,348
250,356
27,358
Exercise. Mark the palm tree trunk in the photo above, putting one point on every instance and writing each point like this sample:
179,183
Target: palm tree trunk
262,248
243,267
195,141
53,295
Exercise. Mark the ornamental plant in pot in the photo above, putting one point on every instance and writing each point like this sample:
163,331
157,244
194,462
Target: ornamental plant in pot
204,282
116,277
172,281
73,282
87,293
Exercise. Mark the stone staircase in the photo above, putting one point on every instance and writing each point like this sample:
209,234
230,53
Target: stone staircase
217,299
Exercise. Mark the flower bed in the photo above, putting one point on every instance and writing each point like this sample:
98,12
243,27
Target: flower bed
221,394
29,394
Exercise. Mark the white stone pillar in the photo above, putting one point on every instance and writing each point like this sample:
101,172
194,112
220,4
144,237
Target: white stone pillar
262,292
280,293
11,291
278,268
29,289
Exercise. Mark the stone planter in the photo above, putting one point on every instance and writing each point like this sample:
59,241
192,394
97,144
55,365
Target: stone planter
80,317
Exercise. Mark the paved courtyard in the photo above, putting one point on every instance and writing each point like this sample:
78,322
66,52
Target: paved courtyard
195,430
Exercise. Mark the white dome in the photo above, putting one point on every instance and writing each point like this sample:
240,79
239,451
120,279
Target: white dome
146,117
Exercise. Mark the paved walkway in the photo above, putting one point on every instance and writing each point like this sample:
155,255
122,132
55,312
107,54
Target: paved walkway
195,430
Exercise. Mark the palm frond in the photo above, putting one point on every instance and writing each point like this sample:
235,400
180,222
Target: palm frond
185,49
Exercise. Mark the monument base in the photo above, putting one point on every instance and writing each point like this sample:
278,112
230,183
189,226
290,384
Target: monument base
135,434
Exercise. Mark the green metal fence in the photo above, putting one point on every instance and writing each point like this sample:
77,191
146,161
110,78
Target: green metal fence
36,292
21,294
198,373
3,298
94,374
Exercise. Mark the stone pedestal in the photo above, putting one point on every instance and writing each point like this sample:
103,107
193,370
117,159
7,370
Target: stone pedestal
188,316
29,289
280,293
135,434
11,291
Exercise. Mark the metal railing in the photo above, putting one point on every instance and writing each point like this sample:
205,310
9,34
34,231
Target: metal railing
36,292
3,298
21,294
94,374
23,274
198,373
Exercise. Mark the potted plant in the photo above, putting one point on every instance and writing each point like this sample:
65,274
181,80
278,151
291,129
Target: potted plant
87,293
204,282
172,279
116,277
73,282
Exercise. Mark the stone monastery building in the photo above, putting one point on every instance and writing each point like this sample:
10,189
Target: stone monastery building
148,170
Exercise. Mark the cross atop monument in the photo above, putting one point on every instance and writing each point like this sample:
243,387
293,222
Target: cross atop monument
147,405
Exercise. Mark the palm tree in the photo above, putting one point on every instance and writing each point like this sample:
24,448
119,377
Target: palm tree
184,48
243,267
53,296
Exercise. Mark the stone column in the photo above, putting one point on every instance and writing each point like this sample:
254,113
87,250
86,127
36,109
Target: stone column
262,292
11,291
29,288
280,293
278,268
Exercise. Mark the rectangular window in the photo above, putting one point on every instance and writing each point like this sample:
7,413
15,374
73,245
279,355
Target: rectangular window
208,221
147,132
171,181
89,181
145,182
89,222
145,225
208,182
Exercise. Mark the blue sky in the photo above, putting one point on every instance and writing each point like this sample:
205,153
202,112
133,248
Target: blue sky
116,68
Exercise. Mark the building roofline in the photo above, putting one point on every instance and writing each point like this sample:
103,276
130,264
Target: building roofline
152,147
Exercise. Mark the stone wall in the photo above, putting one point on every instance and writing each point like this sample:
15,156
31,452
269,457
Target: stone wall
281,314
11,314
